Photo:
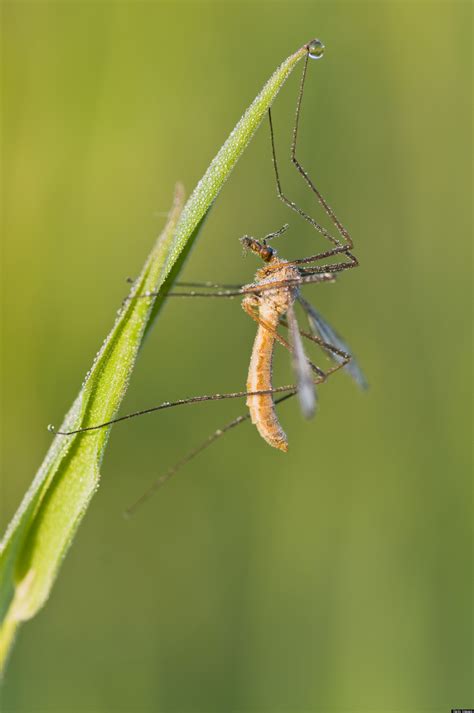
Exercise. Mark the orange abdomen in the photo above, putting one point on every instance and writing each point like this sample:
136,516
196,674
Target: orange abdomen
262,408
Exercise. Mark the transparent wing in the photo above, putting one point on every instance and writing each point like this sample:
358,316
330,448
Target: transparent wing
304,380
324,330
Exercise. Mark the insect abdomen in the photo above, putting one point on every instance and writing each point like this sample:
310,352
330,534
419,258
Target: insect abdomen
262,409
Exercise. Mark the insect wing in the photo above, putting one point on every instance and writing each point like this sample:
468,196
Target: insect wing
306,390
321,328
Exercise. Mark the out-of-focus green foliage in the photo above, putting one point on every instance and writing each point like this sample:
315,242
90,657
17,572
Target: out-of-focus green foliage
337,576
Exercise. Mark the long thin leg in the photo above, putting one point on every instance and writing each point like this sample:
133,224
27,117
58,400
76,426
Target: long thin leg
207,285
177,466
324,273
171,404
342,230
192,454
319,269
327,209
330,267
204,285
291,204
246,289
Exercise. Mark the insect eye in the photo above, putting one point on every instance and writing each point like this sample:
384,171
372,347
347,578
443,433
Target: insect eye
315,49
267,253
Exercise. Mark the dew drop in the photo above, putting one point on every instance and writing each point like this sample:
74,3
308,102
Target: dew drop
51,428
315,49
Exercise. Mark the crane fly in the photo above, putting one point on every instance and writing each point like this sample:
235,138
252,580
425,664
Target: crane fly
270,301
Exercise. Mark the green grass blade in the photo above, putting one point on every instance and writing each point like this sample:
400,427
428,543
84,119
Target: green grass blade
42,529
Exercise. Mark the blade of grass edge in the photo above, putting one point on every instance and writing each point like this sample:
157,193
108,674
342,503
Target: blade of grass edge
42,529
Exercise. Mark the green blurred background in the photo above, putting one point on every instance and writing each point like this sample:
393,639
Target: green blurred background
337,577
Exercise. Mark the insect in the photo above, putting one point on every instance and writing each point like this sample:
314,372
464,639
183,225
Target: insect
269,301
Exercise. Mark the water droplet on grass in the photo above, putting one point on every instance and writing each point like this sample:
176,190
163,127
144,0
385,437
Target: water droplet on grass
315,49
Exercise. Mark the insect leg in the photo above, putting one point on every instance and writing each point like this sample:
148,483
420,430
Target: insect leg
329,267
192,454
319,276
193,293
172,404
322,201
291,204
328,210
207,285
177,466
319,269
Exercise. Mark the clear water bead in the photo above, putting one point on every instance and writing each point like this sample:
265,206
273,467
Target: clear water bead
51,428
315,49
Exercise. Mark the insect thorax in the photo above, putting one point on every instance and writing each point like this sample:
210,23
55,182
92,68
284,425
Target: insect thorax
284,295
